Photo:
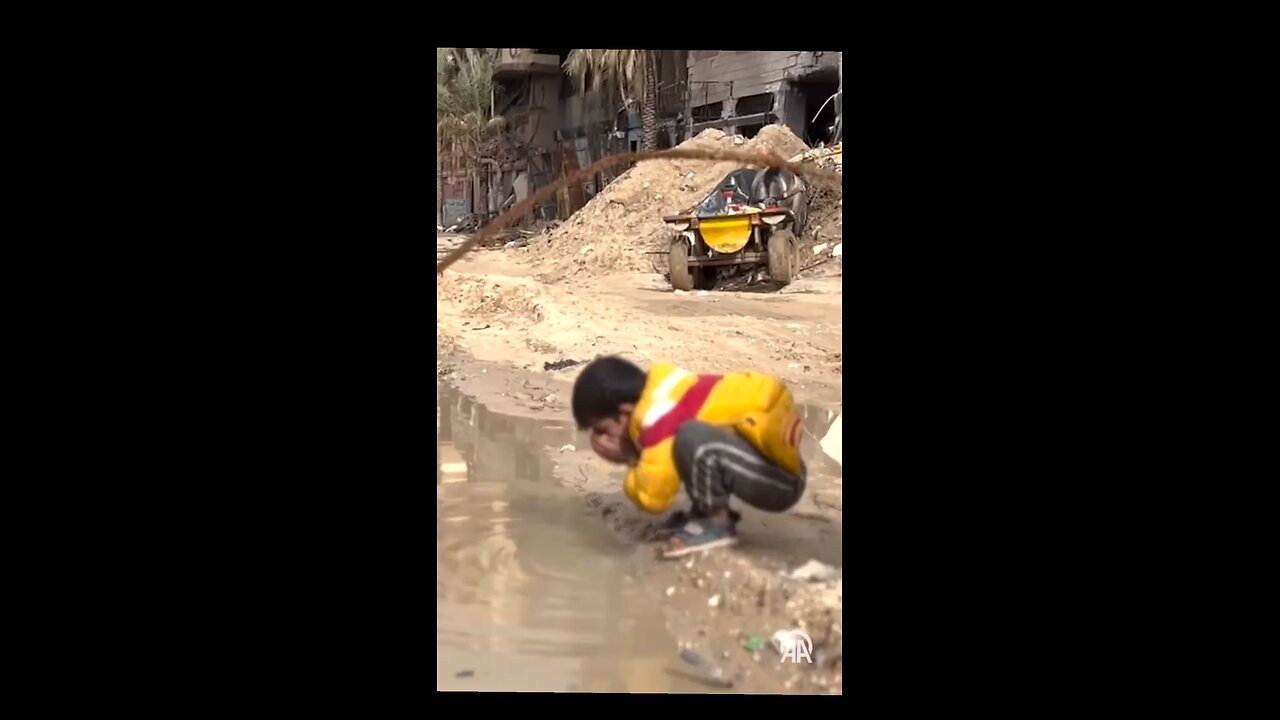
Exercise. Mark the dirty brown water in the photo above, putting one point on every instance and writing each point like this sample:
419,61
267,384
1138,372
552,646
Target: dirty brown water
534,591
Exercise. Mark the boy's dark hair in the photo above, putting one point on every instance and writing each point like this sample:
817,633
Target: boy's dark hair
604,385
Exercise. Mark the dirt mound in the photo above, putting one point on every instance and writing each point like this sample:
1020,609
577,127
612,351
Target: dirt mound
617,230
515,300
613,232
778,139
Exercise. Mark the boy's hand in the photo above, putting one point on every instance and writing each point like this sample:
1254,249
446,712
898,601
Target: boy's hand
630,454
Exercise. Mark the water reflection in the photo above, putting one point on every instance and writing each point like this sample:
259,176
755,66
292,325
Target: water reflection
531,586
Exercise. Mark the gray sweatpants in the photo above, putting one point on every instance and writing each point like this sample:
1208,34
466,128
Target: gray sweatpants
716,464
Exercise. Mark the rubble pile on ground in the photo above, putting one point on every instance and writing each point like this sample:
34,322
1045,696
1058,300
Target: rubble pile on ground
622,225
826,213
483,299
613,232
779,139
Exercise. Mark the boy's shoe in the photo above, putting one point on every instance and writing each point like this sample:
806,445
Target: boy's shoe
678,520
699,536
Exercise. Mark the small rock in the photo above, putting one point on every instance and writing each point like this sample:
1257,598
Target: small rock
464,673
700,583
814,570
671,591
567,448
714,601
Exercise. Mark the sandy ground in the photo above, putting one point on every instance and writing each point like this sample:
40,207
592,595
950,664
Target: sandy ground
500,321
495,306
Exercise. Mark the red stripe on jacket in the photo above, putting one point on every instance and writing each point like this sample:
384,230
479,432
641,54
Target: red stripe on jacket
686,408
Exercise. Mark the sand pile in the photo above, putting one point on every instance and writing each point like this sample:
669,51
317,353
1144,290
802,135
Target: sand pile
617,230
613,232
513,301
778,139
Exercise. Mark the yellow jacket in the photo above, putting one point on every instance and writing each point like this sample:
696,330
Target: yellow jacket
757,406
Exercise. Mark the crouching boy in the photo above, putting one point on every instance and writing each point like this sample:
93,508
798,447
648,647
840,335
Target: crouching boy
721,436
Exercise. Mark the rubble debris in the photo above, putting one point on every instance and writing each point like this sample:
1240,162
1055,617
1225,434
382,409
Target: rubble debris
624,220
465,673
707,671
783,639
560,365
828,158
814,570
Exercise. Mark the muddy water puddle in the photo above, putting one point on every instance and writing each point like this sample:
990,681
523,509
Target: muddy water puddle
533,591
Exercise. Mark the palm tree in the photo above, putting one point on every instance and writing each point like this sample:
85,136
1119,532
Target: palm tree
633,73
464,88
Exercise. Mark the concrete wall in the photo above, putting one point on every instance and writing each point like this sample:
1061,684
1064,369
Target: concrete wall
752,72
546,97
585,110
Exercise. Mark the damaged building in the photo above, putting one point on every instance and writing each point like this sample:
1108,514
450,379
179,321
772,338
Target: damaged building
553,128
742,91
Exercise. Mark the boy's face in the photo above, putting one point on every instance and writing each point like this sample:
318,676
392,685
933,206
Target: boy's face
609,438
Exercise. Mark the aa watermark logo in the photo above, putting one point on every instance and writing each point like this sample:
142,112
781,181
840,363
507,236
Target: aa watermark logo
794,644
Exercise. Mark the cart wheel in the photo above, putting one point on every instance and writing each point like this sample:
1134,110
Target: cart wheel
681,273
783,256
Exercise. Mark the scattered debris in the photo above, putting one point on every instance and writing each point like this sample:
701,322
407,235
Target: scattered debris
567,448
560,365
707,672
623,221
714,601
814,570
783,639
671,591
465,673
